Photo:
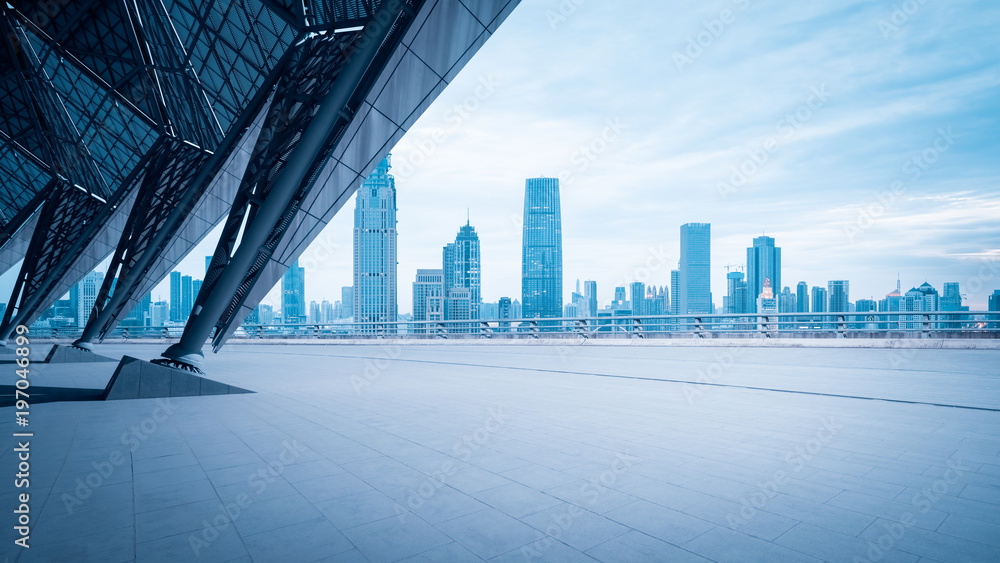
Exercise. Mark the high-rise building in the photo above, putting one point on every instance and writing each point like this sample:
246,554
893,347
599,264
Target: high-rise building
208,263
176,307
326,312
375,263
993,304
74,304
459,304
802,297
675,292
735,302
541,258
696,273
462,267
186,299
921,299
195,289
838,294
159,313
89,286
620,301
140,314
505,310
428,297
763,262
265,314
293,295
786,301
314,313
590,297
819,299
890,304
951,300
346,302
767,302
637,298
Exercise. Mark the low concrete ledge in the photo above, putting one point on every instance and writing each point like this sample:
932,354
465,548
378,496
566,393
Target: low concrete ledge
61,354
139,379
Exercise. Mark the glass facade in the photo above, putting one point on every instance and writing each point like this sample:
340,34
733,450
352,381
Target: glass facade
541,263
839,295
293,295
696,274
763,263
375,248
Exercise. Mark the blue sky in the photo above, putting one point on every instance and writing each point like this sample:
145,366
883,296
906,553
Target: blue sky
867,135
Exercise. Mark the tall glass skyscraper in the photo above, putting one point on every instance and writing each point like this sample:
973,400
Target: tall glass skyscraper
590,297
462,268
176,307
375,248
839,295
696,269
763,263
802,297
541,259
293,295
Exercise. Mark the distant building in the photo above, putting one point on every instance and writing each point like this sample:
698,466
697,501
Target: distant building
89,286
375,284
186,297
787,301
176,305
865,320
459,305
326,313
802,297
695,269
951,300
541,258
293,295
637,297
921,299
428,297
763,263
265,314
314,313
735,301
767,302
838,294
159,313
346,302
993,304
819,300
462,267
140,315
590,296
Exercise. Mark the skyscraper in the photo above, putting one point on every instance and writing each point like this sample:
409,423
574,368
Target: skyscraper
696,274
428,297
819,299
802,297
590,297
675,292
208,263
993,304
186,301
763,262
293,295
637,295
375,248
462,267
839,296
140,314
541,259
347,301
736,299
176,308
88,295
786,301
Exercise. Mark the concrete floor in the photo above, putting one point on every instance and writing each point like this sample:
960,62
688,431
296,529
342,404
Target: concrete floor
525,453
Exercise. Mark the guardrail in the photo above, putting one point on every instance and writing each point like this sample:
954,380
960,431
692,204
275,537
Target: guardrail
935,324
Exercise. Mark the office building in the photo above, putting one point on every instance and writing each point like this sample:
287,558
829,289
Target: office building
327,312
293,295
89,286
462,267
695,269
763,263
541,258
375,284
186,297
838,295
637,298
802,297
590,297
428,297
735,301
819,300
346,302
176,304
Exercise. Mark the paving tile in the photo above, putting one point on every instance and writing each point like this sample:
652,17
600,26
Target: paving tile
445,554
489,532
828,545
516,499
392,539
660,522
354,510
636,546
723,546
574,526
304,541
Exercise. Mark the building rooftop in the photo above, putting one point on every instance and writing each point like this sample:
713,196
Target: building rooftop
524,453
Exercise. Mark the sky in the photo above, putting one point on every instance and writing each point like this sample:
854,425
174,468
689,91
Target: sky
861,135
